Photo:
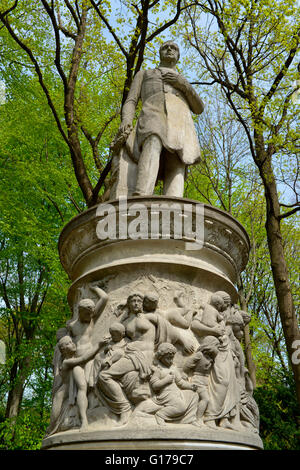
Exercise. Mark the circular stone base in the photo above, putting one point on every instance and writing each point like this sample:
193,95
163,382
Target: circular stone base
188,438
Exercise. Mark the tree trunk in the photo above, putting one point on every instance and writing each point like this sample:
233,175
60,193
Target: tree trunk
247,339
15,395
278,262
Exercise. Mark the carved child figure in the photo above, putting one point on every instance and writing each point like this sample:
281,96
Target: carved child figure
200,364
70,374
175,398
181,315
211,320
115,349
212,312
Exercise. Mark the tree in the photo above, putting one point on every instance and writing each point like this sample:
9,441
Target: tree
249,50
225,179
35,204
76,32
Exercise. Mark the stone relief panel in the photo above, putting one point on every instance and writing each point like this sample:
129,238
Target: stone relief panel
155,351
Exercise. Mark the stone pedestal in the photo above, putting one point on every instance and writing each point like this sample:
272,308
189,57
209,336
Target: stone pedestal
166,266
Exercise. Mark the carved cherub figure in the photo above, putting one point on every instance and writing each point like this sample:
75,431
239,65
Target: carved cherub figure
213,312
172,335
70,374
180,315
114,350
200,364
211,319
174,397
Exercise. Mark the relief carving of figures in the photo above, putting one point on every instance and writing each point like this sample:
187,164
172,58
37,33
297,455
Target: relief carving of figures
147,365
71,384
200,365
146,329
175,398
180,315
76,360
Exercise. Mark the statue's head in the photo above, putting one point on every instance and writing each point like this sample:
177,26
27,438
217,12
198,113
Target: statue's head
166,353
66,346
209,346
169,53
135,302
179,299
117,331
217,302
86,308
226,297
150,302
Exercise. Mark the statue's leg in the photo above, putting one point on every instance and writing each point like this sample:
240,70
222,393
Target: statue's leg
109,383
174,176
82,401
148,166
58,399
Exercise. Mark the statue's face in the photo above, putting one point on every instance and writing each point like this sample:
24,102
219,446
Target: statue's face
237,331
169,52
116,335
136,304
67,346
167,359
85,314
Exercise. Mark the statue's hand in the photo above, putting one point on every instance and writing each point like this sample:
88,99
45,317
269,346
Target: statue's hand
106,340
121,137
125,128
174,79
170,377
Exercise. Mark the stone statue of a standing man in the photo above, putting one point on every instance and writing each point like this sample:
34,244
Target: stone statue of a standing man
164,139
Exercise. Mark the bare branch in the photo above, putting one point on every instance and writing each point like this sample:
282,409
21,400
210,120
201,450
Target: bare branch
110,29
288,214
281,74
51,14
11,8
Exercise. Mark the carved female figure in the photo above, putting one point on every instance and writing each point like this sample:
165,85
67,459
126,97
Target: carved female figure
224,388
137,358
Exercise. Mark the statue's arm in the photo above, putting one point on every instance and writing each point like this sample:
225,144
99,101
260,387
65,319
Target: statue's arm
195,102
178,81
100,305
202,330
87,356
131,102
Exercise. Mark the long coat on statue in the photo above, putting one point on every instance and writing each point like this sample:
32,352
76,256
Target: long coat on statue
166,112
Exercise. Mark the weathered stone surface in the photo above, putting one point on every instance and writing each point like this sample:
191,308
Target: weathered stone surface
153,344
154,340
164,139
189,438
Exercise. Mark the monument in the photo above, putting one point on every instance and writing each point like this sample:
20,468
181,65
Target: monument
152,356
